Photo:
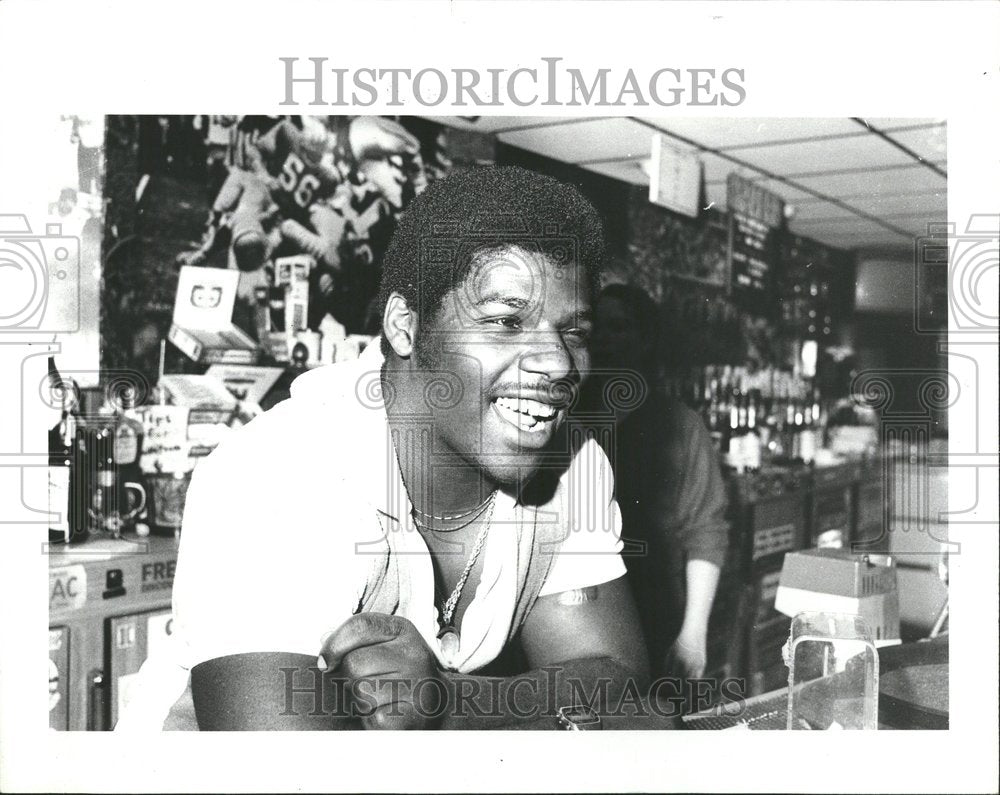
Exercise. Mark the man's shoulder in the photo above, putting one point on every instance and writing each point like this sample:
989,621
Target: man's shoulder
331,411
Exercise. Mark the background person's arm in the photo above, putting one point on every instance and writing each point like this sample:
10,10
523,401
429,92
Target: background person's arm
689,654
704,536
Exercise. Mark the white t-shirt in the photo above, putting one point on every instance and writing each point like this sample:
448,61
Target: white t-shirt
286,519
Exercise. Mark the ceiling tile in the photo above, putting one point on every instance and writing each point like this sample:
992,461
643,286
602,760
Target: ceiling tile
861,240
854,152
821,210
914,204
882,181
849,233
590,140
717,133
900,122
912,179
930,142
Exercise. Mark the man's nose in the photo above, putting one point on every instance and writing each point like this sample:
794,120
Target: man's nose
548,356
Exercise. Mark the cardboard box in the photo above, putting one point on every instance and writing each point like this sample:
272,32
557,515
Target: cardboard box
206,397
202,324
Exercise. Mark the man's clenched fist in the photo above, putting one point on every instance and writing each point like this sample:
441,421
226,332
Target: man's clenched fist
392,675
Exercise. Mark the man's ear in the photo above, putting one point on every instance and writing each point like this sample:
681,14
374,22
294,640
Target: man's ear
399,325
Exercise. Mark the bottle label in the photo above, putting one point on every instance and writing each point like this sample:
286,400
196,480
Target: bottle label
735,456
59,499
751,451
126,448
807,445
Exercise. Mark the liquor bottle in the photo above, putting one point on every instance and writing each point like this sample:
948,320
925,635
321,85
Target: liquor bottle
752,442
819,420
807,438
707,375
128,431
798,406
713,418
766,420
736,457
100,481
723,403
130,487
60,469
811,434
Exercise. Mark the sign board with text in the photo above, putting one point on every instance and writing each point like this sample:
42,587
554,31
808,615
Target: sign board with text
674,177
755,216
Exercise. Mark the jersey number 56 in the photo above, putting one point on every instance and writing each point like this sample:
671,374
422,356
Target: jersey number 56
301,185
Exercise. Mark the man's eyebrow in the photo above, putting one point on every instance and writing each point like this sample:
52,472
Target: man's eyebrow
583,316
512,301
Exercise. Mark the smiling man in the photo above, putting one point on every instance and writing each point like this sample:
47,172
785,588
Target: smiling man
403,520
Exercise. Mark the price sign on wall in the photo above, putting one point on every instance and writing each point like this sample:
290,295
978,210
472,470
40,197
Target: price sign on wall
755,215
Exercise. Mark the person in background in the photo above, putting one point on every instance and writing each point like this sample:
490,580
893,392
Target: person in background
668,483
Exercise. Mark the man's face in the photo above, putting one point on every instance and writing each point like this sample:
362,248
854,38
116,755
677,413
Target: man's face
513,339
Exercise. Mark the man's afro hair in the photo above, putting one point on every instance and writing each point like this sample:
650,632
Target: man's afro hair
480,209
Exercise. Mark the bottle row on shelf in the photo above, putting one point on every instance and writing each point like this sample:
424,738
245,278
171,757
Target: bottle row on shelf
96,485
755,416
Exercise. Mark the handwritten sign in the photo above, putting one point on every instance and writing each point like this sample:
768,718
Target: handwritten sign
165,447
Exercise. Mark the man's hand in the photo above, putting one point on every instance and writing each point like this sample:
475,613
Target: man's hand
391,673
688,656
373,137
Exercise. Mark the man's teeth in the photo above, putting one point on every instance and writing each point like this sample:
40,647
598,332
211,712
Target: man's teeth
532,408
528,415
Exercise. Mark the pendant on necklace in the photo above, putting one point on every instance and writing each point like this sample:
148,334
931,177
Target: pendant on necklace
449,641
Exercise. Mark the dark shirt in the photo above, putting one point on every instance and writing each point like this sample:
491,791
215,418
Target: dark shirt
673,503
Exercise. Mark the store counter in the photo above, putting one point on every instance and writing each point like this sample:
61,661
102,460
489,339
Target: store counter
913,694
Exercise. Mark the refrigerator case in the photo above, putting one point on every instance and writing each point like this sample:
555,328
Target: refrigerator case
130,640
59,675
109,607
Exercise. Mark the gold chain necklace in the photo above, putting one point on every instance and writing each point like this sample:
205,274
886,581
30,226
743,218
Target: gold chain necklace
448,637
477,510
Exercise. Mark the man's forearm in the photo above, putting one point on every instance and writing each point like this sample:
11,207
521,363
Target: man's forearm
532,700
702,581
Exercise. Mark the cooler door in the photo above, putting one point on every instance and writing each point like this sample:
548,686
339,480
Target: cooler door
59,678
131,639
